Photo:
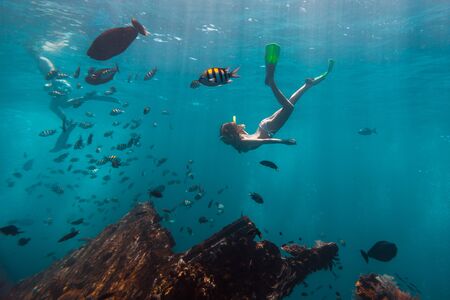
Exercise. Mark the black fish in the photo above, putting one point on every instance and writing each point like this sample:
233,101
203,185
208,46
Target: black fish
23,241
115,163
121,147
77,73
203,220
86,125
367,131
108,133
150,74
102,75
77,222
220,191
28,165
50,254
61,158
155,193
269,164
193,188
146,110
257,198
10,230
114,41
210,203
161,161
89,139
69,236
382,251
57,189
79,143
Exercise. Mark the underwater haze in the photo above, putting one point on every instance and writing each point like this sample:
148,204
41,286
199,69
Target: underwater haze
391,73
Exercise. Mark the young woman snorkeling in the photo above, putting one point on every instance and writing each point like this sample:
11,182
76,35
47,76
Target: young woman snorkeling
235,135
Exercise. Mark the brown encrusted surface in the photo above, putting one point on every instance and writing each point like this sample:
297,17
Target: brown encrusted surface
379,287
133,260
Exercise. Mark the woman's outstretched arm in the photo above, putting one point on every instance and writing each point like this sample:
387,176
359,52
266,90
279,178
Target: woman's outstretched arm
255,142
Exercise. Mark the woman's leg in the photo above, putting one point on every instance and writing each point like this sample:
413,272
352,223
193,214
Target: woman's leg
309,83
270,81
277,120
55,108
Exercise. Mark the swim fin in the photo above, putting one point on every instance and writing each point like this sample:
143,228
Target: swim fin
272,53
325,74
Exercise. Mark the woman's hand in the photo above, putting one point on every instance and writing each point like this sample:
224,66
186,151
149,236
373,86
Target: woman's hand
290,142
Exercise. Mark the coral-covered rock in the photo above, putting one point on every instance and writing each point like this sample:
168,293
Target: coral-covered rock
133,260
379,287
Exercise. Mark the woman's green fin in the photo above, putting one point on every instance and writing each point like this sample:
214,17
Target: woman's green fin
272,53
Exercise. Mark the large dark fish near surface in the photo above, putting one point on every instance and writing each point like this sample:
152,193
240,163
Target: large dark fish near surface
382,251
114,41
69,236
101,76
215,77
269,164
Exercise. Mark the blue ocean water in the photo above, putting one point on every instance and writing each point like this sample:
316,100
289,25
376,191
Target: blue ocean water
391,73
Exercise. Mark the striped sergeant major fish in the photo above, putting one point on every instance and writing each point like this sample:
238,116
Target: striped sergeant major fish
215,77
47,132
150,73
101,76
116,112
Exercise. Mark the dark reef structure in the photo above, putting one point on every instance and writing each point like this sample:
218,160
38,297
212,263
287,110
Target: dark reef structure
132,259
379,287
